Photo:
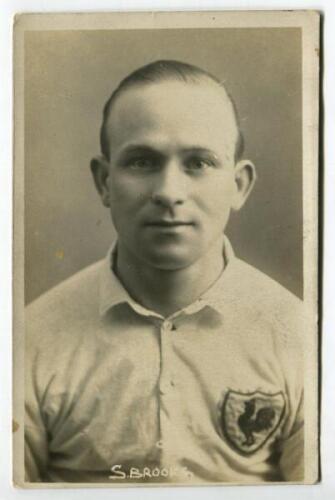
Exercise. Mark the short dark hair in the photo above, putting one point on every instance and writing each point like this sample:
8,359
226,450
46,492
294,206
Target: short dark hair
161,71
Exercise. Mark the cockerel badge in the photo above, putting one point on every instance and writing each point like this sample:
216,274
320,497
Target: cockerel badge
250,419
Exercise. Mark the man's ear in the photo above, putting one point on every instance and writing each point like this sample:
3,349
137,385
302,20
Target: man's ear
245,178
100,171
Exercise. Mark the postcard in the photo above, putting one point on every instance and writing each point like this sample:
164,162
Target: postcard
166,249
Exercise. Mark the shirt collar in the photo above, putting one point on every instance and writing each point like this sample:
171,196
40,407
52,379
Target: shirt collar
112,291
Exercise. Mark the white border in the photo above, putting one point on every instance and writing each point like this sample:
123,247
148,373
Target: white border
325,490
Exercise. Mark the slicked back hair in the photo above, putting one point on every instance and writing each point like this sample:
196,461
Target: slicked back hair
160,71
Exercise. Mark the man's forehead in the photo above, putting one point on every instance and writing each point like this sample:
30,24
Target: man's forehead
165,93
173,105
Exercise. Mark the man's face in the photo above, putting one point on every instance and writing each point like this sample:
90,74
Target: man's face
171,177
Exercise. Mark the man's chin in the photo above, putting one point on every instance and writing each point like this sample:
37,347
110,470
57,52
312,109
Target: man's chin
170,260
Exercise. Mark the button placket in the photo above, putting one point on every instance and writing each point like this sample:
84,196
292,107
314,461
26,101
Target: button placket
168,402
166,381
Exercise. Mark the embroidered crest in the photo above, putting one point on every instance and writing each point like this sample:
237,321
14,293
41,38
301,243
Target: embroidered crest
248,420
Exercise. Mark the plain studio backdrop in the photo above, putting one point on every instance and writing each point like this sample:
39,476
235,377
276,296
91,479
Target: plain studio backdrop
68,77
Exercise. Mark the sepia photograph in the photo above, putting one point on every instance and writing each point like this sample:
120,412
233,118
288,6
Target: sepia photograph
166,249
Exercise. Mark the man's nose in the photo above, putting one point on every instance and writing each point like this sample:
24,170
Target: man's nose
170,186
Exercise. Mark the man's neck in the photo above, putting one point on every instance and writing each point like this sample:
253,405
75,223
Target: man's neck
168,291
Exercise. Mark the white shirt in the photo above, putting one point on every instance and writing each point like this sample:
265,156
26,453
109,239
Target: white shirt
117,393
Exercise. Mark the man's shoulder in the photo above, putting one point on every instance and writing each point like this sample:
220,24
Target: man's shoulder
268,300
77,296
263,286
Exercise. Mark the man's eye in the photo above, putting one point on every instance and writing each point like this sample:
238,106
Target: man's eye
198,164
141,163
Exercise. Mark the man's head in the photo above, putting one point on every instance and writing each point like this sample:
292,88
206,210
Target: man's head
171,169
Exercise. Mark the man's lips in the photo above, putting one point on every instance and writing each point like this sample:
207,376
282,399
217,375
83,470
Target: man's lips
168,223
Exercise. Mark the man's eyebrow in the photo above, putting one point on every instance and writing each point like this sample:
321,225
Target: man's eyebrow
139,148
200,150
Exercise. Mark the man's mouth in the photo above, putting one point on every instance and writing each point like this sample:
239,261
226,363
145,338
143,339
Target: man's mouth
168,223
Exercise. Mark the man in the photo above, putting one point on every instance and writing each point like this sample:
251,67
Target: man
171,360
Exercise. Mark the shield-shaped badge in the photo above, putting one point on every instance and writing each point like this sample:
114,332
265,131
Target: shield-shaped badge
250,419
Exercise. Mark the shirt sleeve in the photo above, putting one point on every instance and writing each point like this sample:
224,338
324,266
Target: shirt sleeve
292,456
36,443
